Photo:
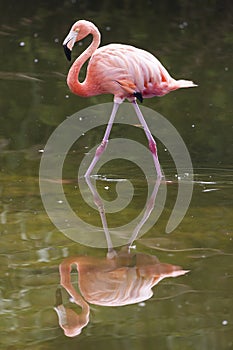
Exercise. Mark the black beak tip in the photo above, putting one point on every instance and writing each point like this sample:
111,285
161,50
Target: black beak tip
67,52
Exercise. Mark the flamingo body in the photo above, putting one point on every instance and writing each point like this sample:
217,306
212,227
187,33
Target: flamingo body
123,70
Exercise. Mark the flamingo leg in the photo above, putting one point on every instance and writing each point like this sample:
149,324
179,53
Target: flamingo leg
100,149
152,143
98,202
149,207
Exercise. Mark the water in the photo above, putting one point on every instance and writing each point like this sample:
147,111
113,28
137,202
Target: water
193,311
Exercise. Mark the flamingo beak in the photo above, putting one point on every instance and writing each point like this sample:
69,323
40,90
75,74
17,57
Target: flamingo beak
69,42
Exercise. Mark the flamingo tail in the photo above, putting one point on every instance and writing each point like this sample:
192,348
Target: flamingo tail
185,84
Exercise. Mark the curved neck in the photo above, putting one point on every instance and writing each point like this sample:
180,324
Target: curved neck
73,76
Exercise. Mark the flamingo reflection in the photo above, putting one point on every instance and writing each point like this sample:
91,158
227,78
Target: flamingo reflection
120,278
124,279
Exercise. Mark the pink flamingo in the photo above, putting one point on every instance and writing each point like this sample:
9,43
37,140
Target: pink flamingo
122,70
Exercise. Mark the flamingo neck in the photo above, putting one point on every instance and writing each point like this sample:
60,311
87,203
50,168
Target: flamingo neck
77,87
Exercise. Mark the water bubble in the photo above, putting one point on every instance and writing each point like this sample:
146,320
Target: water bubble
183,25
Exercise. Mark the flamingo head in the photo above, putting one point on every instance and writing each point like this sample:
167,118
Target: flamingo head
78,31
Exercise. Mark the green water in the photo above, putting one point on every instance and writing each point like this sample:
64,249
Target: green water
194,41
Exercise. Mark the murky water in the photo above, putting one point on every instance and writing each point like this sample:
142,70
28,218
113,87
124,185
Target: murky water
189,311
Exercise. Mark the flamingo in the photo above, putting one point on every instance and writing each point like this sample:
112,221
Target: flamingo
125,71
